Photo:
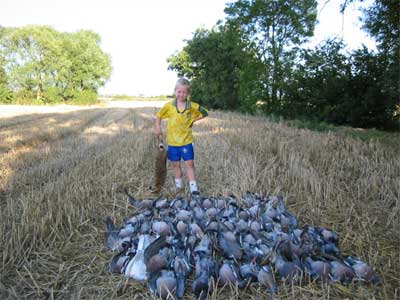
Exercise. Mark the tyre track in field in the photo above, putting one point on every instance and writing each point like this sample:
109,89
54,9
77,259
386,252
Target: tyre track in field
62,167
54,128
49,173
52,157
58,156
20,120
33,169
77,193
90,146
37,149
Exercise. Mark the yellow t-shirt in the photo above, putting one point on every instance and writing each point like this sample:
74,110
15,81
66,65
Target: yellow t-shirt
179,130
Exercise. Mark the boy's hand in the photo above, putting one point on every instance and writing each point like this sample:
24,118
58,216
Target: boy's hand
158,133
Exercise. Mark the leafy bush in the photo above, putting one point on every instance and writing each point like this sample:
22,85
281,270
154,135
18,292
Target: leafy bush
85,97
6,95
26,97
52,95
27,101
122,97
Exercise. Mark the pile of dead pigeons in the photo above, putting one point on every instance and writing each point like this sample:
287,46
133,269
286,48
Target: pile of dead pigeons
225,240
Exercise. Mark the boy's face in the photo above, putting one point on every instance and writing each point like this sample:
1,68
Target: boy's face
182,92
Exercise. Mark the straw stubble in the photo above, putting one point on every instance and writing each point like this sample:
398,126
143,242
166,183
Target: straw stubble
62,174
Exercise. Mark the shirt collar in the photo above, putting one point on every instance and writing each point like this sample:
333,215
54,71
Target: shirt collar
187,106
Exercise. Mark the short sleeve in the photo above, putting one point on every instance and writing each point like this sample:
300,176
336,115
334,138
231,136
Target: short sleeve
203,111
199,111
163,112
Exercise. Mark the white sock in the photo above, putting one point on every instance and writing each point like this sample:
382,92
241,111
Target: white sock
178,183
193,186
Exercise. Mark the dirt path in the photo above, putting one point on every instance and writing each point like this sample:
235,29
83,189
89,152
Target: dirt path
16,110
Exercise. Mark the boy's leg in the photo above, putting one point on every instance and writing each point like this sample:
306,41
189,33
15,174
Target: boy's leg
188,157
190,170
178,175
175,159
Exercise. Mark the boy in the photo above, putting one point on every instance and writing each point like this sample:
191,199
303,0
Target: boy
181,114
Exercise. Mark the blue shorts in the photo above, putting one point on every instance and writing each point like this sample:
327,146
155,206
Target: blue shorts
176,153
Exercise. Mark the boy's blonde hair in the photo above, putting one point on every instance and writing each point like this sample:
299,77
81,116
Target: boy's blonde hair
183,82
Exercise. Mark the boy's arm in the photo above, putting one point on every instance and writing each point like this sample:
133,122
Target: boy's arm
202,113
197,119
157,130
162,114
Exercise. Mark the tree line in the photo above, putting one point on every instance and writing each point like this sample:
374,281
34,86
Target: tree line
254,60
40,63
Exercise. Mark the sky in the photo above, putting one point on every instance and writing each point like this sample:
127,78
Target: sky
140,35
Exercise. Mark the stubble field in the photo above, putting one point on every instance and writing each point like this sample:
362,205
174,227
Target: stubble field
62,173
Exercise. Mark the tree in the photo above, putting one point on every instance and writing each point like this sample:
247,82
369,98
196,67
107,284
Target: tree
341,88
215,61
382,22
6,94
319,87
29,53
373,102
88,66
3,75
40,61
181,62
273,28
